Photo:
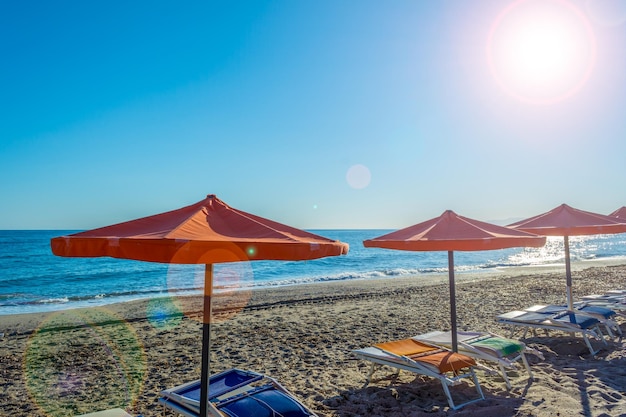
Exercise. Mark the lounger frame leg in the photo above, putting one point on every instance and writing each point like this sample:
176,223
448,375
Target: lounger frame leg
591,349
601,337
481,395
527,365
446,390
505,376
477,385
612,325
369,375
524,359
597,335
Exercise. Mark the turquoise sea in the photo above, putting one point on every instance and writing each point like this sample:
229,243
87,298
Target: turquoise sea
32,279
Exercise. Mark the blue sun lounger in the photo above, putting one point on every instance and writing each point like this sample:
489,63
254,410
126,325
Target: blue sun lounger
604,315
612,295
614,300
565,321
235,393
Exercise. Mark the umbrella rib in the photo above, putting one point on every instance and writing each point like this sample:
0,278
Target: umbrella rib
184,222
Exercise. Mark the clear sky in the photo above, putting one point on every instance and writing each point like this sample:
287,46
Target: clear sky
315,113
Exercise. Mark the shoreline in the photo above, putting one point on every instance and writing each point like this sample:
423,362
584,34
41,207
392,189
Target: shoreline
432,278
122,355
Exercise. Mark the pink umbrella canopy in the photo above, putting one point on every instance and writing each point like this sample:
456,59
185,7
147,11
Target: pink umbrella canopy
207,232
568,221
451,232
620,214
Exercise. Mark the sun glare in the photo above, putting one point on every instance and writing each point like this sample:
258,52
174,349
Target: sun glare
607,12
541,51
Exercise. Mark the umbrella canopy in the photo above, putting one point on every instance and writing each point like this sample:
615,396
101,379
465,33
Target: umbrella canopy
567,221
451,232
620,214
207,232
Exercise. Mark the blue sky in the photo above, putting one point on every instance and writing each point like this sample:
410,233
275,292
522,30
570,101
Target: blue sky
318,114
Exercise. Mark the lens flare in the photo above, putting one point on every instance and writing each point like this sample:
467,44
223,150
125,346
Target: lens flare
358,176
541,51
163,313
251,251
232,283
81,360
607,12
233,289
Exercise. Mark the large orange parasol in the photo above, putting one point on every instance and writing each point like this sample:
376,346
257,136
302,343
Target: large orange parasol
620,214
206,232
451,232
567,221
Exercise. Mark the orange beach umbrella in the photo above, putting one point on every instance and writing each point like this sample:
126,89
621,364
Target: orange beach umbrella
451,232
620,214
207,232
568,221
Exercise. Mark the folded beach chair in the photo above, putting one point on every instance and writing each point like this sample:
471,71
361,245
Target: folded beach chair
486,346
615,300
610,296
618,292
604,315
235,393
424,359
565,321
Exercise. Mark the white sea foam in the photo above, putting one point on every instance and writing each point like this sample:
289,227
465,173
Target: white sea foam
33,279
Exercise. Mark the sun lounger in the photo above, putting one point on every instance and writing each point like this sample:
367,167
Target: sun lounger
608,297
617,296
569,322
615,300
616,304
424,359
236,393
486,346
604,315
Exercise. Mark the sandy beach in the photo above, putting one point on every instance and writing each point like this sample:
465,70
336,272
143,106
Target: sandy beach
123,355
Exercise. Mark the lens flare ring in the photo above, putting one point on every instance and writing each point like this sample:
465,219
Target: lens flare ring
80,359
232,283
358,176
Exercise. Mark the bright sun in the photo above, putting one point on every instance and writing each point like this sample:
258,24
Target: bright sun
541,51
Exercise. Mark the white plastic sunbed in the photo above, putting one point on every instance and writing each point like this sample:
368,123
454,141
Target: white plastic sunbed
566,321
486,346
420,358
235,393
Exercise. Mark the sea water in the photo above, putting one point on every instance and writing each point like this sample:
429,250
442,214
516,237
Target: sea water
32,279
